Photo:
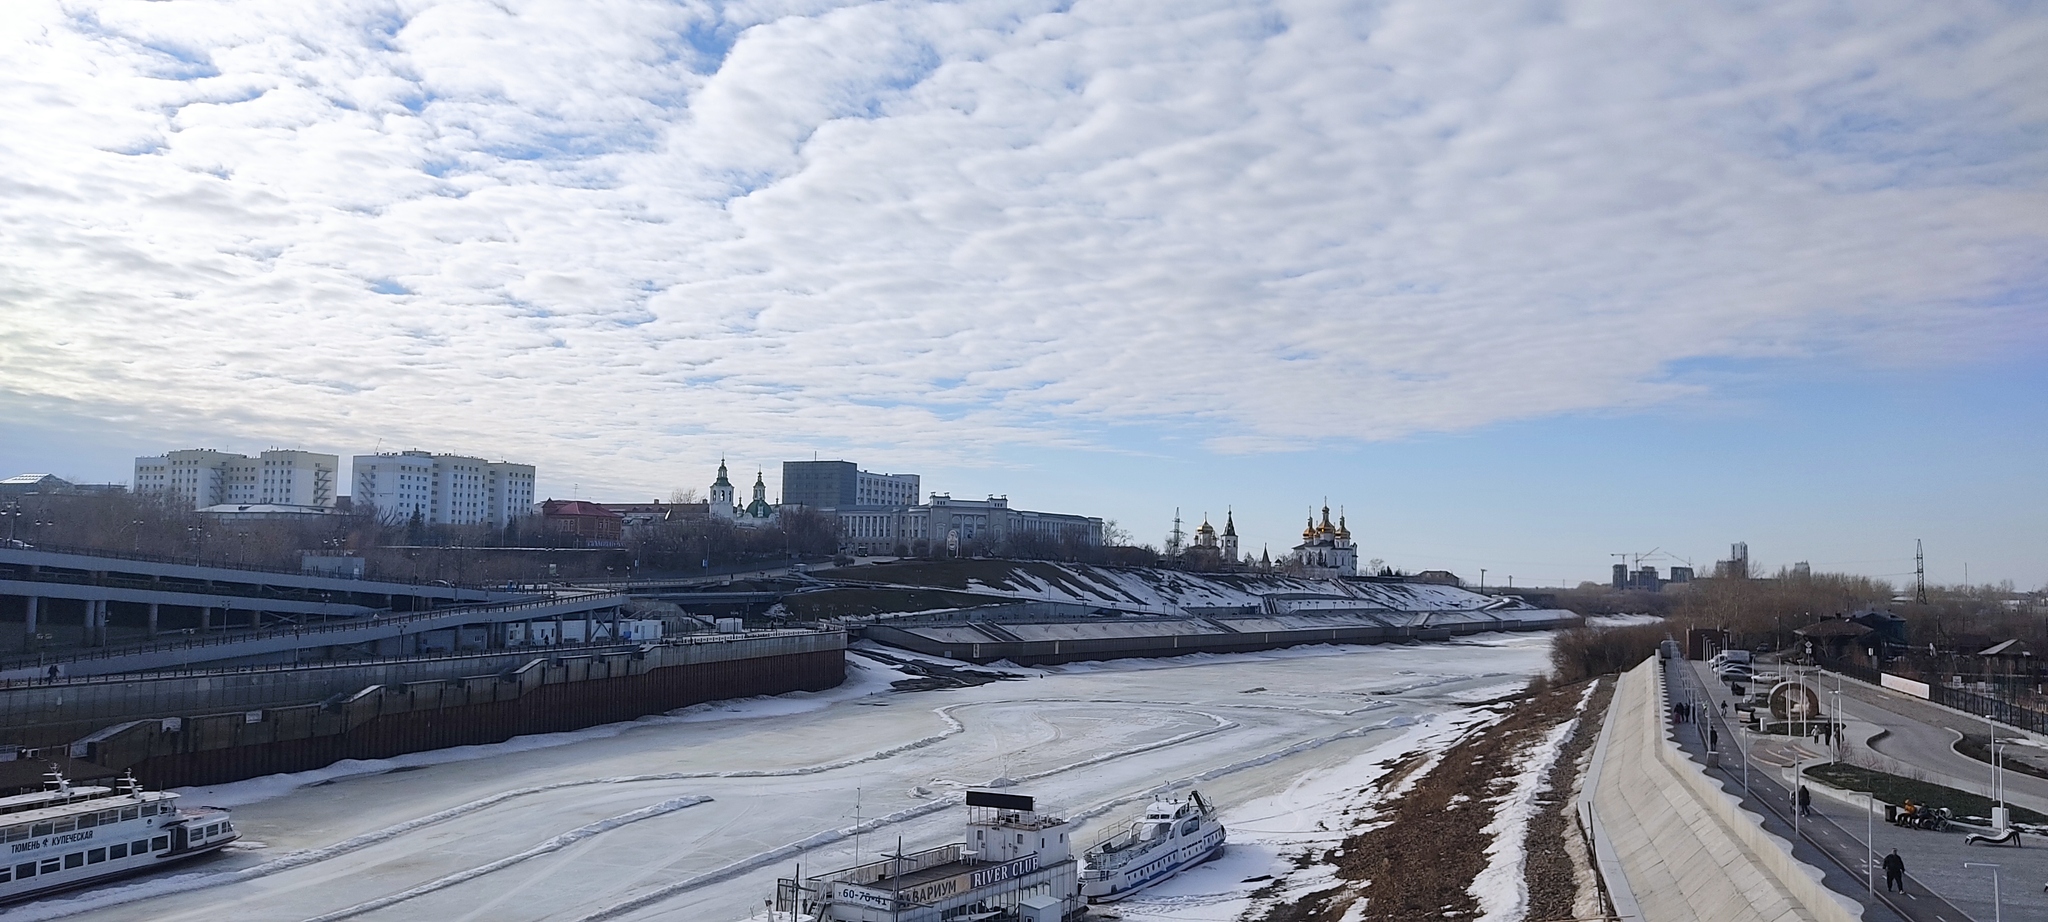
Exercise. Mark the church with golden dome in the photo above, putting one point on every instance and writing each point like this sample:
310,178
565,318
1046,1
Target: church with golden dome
1224,547
1326,549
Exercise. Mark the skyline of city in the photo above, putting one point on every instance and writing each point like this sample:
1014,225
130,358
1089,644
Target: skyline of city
1520,287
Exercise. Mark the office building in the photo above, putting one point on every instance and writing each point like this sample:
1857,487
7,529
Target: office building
840,484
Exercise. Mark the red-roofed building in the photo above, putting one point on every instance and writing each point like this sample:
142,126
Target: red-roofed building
573,521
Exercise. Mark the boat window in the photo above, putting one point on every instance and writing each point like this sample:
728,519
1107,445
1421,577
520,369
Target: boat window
130,813
138,846
88,821
211,831
117,850
110,816
66,825
74,860
43,829
159,843
25,871
17,833
227,827
6,874
52,865
96,856
149,809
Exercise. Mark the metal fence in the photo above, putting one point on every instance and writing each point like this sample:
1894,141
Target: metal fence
1997,708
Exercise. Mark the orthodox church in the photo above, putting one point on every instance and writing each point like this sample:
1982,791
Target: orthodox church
1208,542
725,506
1326,550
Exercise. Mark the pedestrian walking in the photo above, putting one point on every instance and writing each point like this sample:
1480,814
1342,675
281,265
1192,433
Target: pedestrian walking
1805,801
1713,740
1724,709
1894,872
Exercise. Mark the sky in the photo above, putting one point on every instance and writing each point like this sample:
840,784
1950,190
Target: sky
1516,285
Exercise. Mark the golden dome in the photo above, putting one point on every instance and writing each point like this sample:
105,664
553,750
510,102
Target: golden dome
1309,533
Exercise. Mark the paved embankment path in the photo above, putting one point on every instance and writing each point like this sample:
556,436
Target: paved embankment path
1684,849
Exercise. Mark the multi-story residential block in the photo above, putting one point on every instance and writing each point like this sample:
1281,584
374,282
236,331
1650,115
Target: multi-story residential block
204,477
443,489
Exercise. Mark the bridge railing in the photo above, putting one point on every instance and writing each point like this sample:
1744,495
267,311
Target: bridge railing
297,631
195,560
570,648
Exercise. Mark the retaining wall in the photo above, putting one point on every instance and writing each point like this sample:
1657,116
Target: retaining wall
547,694
1686,851
1173,641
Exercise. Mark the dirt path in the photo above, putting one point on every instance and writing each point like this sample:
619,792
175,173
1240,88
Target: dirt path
1416,855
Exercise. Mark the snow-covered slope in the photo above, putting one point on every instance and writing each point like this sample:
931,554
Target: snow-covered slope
1171,591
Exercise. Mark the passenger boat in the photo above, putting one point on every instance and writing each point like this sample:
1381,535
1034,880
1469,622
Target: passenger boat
69,835
1173,835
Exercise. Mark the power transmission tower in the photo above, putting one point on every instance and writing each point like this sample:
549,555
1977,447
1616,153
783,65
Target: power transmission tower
1919,573
1177,537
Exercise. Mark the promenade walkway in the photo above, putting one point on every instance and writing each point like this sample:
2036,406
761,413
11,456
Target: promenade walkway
1685,851
1912,740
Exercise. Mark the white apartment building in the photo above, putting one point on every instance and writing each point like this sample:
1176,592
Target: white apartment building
204,477
443,489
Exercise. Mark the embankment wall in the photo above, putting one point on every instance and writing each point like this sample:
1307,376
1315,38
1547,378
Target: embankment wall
1054,652
545,695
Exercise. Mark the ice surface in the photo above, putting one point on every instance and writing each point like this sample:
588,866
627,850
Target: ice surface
537,828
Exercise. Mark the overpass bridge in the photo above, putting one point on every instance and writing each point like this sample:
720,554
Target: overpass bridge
374,634
73,597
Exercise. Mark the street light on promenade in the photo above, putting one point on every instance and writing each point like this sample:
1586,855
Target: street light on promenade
1997,911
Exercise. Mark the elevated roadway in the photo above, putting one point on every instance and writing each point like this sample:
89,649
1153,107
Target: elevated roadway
284,643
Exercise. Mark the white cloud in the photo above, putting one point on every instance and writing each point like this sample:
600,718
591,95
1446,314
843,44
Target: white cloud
609,235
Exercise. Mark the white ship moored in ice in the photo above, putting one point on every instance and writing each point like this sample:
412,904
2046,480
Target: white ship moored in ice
1174,835
67,836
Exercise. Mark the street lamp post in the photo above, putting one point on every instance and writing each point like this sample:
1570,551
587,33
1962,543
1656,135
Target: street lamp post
1870,843
1997,910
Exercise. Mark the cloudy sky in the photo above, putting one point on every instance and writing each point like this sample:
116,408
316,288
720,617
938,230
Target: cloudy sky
1517,284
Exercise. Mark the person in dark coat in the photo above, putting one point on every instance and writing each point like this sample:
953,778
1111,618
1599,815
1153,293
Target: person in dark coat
1894,872
1805,799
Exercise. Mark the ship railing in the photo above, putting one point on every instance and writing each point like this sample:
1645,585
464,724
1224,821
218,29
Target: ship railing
888,868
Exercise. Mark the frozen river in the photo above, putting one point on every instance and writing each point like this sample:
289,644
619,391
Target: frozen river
692,816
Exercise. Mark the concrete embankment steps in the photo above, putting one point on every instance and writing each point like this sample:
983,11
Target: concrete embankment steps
1676,846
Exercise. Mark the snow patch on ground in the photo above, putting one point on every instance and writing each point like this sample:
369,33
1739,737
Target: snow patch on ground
1500,889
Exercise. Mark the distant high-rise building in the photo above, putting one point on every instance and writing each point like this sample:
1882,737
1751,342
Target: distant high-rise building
1681,574
1621,576
204,477
443,489
1737,564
